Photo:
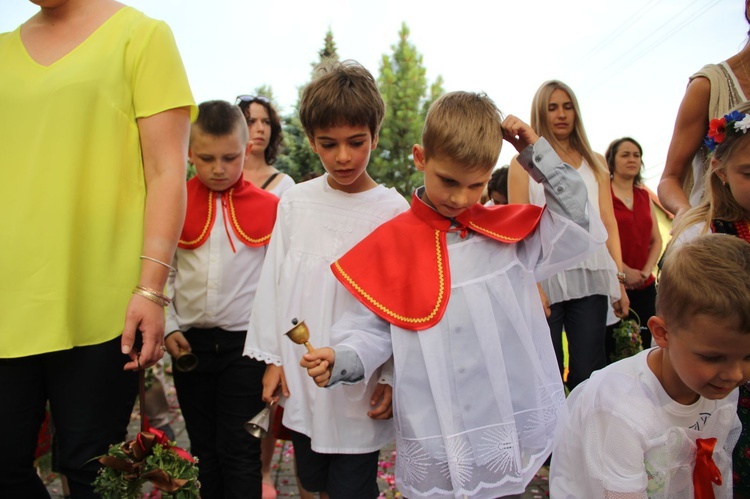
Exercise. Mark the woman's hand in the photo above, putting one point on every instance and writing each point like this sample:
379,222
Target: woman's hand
633,278
622,306
146,317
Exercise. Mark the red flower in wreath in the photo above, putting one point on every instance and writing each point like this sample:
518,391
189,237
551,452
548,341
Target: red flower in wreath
717,129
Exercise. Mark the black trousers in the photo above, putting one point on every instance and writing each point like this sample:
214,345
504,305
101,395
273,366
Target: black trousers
91,399
585,323
341,476
217,398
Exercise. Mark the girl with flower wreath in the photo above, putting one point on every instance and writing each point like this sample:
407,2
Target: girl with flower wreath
576,299
726,209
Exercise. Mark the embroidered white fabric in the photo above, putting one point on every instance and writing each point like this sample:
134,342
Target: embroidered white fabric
483,462
476,396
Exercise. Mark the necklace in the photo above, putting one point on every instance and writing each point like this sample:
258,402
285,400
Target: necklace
622,194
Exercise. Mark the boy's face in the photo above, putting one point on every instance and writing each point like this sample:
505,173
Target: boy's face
710,357
345,153
450,188
218,160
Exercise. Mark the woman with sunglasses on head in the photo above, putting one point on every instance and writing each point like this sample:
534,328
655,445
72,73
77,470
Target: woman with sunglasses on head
265,133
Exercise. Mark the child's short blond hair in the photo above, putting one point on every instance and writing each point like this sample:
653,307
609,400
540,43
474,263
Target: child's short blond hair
709,275
341,94
464,127
220,118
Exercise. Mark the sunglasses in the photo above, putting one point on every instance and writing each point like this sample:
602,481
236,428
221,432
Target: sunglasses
249,99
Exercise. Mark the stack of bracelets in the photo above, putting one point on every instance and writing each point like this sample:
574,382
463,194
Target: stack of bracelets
151,294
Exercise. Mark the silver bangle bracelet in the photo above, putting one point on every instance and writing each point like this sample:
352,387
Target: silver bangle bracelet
144,257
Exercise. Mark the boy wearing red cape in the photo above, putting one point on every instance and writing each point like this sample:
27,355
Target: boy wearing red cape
449,288
221,251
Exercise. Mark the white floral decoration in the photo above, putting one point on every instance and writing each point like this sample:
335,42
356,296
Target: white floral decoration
743,125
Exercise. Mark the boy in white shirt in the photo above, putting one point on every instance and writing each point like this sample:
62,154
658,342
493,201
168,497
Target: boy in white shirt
449,288
663,423
219,258
337,434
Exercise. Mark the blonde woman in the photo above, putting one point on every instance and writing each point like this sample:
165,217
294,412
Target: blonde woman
577,299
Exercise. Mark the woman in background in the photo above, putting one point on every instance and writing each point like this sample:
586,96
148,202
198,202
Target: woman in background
640,239
265,133
576,299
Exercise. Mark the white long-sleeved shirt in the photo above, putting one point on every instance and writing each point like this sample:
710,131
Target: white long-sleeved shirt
214,286
315,225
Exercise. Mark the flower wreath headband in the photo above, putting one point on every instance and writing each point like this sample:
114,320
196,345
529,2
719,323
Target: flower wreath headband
718,128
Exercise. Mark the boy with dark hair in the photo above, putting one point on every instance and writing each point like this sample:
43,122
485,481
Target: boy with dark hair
218,260
454,300
337,434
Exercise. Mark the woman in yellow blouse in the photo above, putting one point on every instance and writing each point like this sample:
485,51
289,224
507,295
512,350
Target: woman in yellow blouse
93,131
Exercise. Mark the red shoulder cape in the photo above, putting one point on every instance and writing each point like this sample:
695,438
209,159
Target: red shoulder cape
401,271
251,212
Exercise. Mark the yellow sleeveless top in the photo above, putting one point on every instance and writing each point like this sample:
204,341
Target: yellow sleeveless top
72,189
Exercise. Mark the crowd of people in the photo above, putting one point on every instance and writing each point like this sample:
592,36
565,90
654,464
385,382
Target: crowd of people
442,323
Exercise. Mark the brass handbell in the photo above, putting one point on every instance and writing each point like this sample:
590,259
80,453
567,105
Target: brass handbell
258,426
300,334
185,361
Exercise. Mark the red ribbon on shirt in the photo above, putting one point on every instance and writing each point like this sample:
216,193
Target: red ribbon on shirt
705,473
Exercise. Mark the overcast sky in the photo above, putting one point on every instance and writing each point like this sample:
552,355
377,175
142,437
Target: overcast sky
627,61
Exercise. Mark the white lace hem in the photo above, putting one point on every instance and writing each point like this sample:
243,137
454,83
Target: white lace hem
263,357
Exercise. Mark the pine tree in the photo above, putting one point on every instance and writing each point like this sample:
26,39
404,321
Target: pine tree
298,158
404,87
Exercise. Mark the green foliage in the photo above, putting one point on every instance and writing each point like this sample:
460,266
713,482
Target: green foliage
190,170
404,87
328,52
407,96
297,159
267,92
114,484
627,335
